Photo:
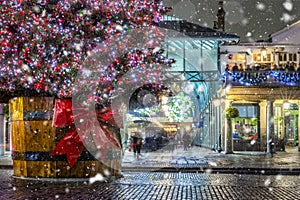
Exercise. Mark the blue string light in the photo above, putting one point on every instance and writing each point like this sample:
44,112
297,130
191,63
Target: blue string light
259,78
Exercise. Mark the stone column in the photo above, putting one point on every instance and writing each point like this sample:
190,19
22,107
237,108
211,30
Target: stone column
209,126
263,124
218,128
270,125
298,125
228,148
223,124
212,126
2,133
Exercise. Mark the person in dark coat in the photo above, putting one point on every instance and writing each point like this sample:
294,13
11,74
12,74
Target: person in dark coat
235,68
136,142
186,141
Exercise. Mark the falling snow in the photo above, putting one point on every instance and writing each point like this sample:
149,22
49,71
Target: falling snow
243,16
261,6
288,5
252,20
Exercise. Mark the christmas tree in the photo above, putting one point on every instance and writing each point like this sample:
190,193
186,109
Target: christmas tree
45,45
45,42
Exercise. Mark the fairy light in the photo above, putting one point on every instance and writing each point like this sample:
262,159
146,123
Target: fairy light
44,44
254,78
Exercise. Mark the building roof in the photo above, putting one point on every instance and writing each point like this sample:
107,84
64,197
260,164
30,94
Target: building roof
289,27
197,31
289,35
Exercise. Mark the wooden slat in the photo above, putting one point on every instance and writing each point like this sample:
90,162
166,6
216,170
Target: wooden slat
39,135
78,170
62,169
20,168
94,167
18,135
52,169
16,108
37,168
38,103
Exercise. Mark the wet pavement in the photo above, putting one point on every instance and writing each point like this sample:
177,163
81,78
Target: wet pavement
198,173
156,185
197,159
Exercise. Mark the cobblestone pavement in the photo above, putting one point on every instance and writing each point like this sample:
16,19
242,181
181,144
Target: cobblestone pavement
156,185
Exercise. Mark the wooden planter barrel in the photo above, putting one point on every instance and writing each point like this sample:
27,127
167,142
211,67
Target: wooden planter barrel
33,139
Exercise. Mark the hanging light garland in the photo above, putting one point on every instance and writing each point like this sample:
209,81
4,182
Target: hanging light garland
282,78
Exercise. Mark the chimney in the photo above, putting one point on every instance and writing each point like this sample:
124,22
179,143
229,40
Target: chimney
221,17
215,25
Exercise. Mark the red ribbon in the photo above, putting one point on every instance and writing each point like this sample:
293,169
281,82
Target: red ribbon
71,144
63,115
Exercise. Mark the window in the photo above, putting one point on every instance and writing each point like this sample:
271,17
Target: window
259,58
284,57
267,58
245,126
286,123
238,59
241,57
231,57
292,57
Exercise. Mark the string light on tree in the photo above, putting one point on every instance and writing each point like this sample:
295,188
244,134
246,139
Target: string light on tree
44,43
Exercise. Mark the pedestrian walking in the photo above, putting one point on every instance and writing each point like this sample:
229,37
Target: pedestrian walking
171,144
283,141
186,141
136,143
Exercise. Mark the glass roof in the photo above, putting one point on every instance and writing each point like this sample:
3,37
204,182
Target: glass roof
196,49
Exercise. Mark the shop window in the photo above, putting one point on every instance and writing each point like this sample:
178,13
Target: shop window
286,124
245,127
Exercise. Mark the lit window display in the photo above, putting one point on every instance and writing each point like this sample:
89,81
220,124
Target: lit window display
245,127
286,123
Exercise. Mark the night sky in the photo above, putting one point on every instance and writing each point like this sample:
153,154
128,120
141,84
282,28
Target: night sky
252,20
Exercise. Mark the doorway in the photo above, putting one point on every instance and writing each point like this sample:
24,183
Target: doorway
291,125
286,123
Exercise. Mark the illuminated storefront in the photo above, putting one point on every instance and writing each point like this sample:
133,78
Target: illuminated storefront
262,81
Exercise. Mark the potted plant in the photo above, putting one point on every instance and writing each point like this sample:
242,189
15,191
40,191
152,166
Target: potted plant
232,112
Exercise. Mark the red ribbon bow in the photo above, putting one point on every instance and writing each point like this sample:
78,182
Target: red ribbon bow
98,127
